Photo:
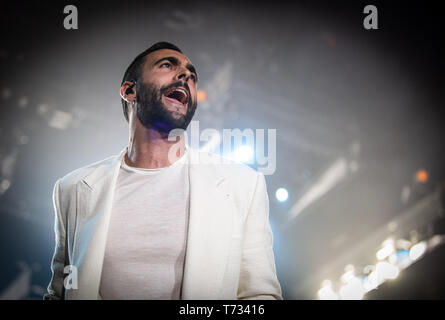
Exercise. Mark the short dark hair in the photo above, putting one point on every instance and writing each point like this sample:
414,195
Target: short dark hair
134,70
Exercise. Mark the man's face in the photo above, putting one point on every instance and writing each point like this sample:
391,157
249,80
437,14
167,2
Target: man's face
167,97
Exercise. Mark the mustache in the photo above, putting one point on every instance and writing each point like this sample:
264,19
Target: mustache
178,84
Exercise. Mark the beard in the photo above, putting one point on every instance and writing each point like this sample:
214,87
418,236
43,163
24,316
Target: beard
152,112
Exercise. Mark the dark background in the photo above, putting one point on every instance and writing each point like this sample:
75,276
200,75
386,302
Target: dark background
333,90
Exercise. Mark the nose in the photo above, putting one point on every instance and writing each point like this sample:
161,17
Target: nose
183,74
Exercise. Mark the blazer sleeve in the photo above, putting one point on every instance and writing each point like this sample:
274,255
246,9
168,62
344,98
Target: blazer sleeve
258,279
56,287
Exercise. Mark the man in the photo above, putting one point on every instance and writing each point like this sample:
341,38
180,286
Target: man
160,220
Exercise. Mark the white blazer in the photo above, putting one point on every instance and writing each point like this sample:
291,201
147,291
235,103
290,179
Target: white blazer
229,248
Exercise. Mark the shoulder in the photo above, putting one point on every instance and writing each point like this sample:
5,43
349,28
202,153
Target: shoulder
73,177
245,184
224,166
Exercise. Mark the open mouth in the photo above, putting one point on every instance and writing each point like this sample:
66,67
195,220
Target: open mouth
177,96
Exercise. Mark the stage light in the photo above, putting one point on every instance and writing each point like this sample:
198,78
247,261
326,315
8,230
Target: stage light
386,270
43,109
60,120
372,281
202,95
243,154
403,244
403,260
368,269
386,250
422,176
353,290
348,276
326,292
393,258
281,194
6,93
4,185
435,241
23,102
417,250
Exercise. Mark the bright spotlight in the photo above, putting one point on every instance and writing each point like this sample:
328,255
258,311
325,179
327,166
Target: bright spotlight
349,274
386,270
326,292
403,260
353,290
202,95
243,154
417,250
372,281
386,250
422,176
281,194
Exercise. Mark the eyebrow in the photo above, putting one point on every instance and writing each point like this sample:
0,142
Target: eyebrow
175,61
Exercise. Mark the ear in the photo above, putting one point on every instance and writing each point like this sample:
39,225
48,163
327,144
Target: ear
128,91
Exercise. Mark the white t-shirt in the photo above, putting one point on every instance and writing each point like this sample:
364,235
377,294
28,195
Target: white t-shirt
147,236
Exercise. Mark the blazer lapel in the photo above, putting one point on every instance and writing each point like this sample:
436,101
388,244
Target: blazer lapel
209,233
94,199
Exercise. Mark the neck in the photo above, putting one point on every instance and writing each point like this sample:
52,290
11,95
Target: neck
151,149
